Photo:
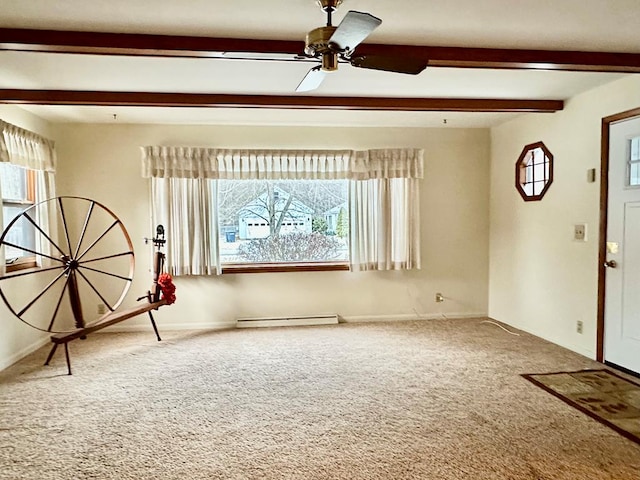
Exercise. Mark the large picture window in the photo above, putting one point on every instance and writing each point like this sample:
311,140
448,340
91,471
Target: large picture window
279,210
269,221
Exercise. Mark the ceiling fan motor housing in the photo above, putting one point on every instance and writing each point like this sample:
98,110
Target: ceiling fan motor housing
317,44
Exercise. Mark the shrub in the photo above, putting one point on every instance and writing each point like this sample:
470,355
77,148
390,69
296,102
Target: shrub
292,247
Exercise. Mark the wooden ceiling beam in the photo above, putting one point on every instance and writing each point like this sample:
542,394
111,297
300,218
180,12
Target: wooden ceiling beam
134,44
305,102
103,43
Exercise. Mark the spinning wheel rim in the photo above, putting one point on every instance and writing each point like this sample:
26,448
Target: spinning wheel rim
71,261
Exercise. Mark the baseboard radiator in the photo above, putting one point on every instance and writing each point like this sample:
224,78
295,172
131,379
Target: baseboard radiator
330,319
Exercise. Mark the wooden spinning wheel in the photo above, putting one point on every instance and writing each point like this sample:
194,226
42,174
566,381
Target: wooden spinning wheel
91,265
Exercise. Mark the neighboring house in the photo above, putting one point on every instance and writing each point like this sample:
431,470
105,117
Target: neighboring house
253,218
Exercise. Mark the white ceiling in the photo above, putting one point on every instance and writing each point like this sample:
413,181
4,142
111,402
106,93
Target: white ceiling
580,25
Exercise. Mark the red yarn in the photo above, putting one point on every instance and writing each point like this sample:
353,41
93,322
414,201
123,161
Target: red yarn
168,288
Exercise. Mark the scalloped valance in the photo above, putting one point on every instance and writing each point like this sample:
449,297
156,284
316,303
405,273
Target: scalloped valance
26,149
238,164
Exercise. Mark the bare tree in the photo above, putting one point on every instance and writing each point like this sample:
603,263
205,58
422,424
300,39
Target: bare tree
263,199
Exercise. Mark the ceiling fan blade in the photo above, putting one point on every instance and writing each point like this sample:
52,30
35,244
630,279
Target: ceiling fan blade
278,57
354,28
312,79
412,66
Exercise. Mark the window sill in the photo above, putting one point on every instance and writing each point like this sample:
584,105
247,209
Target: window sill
231,268
22,264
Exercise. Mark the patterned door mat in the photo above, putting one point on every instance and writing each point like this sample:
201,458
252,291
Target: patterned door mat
601,394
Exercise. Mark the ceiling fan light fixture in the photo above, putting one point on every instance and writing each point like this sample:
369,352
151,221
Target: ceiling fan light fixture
329,62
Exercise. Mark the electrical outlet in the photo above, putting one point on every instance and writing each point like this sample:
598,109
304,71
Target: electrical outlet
579,326
439,298
102,309
580,232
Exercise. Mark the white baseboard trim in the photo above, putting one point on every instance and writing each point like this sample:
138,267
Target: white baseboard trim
167,327
7,362
574,348
291,321
409,316
591,354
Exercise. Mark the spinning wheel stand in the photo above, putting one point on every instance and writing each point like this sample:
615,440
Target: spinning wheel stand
75,270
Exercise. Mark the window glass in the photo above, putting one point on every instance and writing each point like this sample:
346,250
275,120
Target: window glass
634,177
14,182
285,221
538,187
635,149
634,161
22,233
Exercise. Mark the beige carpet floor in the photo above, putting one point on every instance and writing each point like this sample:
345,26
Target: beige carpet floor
439,399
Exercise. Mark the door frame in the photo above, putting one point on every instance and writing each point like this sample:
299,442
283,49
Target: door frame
604,205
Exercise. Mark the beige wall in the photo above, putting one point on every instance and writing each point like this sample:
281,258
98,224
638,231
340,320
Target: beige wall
103,162
541,280
531,275
16,338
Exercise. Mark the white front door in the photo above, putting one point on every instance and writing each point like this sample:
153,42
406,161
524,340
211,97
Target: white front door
622,297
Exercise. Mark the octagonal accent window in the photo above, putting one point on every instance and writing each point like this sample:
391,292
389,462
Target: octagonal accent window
534,171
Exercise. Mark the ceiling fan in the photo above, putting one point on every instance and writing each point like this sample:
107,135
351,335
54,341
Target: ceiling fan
333,45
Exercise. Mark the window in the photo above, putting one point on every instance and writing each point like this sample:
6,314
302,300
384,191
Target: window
27,177
534,171
18,193
268,221
242,210
634,162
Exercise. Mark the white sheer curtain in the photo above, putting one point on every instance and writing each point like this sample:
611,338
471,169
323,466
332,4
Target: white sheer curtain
385,209
384,197
29,150
186,208
385,224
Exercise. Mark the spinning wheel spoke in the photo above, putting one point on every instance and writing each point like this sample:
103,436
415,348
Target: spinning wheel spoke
106,302
64,223
7,302
108,273
106,257
84,228
28,217
30,272
44,290
25,249
98,239
55,312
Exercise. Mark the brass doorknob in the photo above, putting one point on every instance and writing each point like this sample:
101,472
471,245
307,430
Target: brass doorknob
611,264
